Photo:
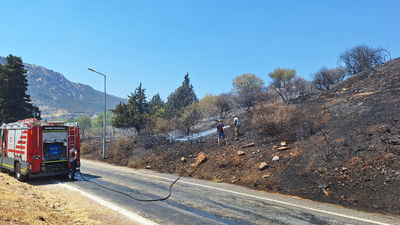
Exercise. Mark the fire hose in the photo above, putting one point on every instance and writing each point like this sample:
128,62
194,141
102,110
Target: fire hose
136,199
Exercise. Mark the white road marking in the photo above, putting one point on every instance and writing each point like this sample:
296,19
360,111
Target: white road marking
132,216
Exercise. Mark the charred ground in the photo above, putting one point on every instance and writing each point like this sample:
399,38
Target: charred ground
351,158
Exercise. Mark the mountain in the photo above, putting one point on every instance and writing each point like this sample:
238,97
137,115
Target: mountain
58,97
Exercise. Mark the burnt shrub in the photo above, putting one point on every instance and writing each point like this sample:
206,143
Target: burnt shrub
87,148
284,121
273,119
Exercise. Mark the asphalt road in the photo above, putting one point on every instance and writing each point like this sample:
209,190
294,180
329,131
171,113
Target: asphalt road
203,202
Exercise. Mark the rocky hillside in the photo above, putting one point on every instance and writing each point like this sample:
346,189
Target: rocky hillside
56,96
350,157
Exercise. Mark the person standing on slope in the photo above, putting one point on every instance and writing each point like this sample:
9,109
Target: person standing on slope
237,125
221,131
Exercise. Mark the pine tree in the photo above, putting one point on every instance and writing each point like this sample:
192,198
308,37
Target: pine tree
133,114
156,106
181,97
15,104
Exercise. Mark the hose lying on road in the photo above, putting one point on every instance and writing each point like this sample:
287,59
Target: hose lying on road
122,193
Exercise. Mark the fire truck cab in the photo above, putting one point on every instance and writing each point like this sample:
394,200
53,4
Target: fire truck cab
37,147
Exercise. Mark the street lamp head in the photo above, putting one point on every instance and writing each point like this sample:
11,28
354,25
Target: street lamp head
96,72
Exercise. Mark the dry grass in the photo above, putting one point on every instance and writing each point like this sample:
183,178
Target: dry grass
135,162
22,203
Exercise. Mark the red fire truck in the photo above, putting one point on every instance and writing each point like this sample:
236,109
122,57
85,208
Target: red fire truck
36,147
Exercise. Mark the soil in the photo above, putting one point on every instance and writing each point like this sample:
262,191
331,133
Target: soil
351,158
40,202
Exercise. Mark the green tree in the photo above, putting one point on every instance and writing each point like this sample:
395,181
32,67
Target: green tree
190,116
84,123
181,97
121,118
15,104
98,122
207,106
133,114
247,86
247,81
216,106
157,106
282,82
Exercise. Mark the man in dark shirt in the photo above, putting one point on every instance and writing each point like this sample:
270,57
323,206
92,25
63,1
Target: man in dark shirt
73,161
221,131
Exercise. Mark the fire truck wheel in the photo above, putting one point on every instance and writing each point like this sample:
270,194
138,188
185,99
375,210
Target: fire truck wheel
18,174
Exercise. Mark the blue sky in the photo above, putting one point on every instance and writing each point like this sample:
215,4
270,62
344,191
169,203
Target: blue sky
156,42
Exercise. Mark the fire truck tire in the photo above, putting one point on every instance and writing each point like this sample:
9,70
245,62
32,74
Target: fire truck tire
18,174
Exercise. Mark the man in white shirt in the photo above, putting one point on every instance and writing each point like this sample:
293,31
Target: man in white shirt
237,125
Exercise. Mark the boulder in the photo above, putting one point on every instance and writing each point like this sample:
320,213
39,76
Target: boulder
384,129
262,166
266,176
283,148
201,157
248,145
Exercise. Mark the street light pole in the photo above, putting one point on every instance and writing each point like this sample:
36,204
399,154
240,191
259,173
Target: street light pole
104,116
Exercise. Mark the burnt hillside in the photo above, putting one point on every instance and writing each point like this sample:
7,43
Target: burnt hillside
350,158
356,154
